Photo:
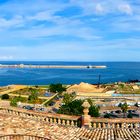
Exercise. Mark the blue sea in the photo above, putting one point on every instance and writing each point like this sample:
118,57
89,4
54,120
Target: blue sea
115,71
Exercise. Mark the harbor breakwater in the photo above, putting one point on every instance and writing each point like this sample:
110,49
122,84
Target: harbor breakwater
52,66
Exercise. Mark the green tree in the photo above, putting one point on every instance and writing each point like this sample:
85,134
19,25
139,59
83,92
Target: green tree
17,99
33,96
136,104
56,88
122,86
14,102
124,108
68,98
107,115
94,111
21,99
130,115
74,107
36,86
120,104
90,101
5,96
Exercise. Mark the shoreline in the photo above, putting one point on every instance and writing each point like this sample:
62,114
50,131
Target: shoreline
53,66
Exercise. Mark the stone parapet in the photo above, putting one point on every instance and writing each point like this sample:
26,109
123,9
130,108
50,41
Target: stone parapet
68,120
123,123
45,117
18,125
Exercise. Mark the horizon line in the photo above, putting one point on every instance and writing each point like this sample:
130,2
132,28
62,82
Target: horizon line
61,61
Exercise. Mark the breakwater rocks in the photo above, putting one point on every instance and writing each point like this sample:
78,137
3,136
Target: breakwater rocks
52,66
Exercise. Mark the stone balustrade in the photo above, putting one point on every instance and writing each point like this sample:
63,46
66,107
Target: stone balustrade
20,124
119,123
67,120
51,118
21,137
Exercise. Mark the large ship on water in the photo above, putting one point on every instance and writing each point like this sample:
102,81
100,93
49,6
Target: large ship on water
90,66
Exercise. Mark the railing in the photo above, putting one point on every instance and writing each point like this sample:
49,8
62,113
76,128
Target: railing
21,137
67,120
121,123
59,119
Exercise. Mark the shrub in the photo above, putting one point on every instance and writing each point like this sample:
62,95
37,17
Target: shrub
94,111
17,99
120,104
68,98
137,105
74,107
130,115
107,115
124,107
56,88
33,97
5,96
36,86
13,102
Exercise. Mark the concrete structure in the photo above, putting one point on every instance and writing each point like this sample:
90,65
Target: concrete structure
50,66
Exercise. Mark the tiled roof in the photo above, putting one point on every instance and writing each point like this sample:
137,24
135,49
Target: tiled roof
18,125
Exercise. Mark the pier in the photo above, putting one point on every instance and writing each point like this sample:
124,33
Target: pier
52,66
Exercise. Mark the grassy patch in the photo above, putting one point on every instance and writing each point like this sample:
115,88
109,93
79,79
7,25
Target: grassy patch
28,91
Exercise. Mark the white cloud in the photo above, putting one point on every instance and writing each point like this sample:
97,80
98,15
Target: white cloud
125,24
125,8
99,51
5,57
13,22
43,15
86,27
91,7
60,30
51,17
99,8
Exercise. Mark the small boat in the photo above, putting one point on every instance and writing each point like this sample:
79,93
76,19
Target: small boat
89,67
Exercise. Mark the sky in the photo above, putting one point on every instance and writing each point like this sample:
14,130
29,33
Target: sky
70,30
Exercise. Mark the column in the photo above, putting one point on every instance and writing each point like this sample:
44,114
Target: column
86,119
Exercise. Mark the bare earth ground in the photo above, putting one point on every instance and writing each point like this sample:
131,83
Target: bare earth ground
85,87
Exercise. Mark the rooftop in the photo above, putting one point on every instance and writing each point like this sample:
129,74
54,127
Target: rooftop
11,124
